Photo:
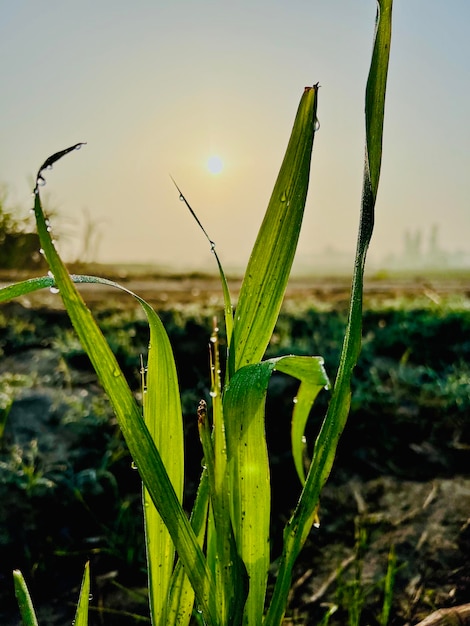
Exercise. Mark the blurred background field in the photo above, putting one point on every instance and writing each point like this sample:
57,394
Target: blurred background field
401,478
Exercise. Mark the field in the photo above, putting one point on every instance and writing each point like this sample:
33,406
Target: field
401,480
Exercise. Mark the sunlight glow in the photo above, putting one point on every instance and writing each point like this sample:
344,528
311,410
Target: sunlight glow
215,164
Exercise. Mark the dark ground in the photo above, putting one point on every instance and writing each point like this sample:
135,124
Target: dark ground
401,478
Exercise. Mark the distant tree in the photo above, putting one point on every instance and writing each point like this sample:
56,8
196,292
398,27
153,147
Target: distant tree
19,244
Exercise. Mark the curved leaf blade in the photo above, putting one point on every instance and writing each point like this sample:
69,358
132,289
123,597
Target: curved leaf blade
135,431
299,525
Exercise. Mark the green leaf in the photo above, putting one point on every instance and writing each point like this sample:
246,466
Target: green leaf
248,465
25,286
135,431
228,307
81,616
23,598
311,373
299,525
229,571
268,270
181,596
163,417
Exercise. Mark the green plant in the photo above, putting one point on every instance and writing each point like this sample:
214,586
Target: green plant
223,549
352,591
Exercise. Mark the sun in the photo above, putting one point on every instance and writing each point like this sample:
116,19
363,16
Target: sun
214,164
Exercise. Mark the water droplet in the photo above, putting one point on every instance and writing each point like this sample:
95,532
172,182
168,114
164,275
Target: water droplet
49,167
133,465
41,251
316,124
295,400
31,210
181,197
213,339
90,597
116,373
283,197
50,274
316,524
41,181
213,394
78,146
54,290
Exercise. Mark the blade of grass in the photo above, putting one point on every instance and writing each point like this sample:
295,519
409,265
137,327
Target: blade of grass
311,373
138,438
23,598
299,525
25,286
81,616
268,269
229,570
228,307
389,585
181,594
164,419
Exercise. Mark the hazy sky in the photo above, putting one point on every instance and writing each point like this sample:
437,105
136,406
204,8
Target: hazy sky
157,87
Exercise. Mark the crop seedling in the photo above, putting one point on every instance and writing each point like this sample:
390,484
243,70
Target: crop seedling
222,549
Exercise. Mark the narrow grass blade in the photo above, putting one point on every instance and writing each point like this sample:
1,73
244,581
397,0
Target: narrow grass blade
299,525
389,585
25,286
268,269
181,596
248,465
23,598
228,307
81,616
229,571
138,438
